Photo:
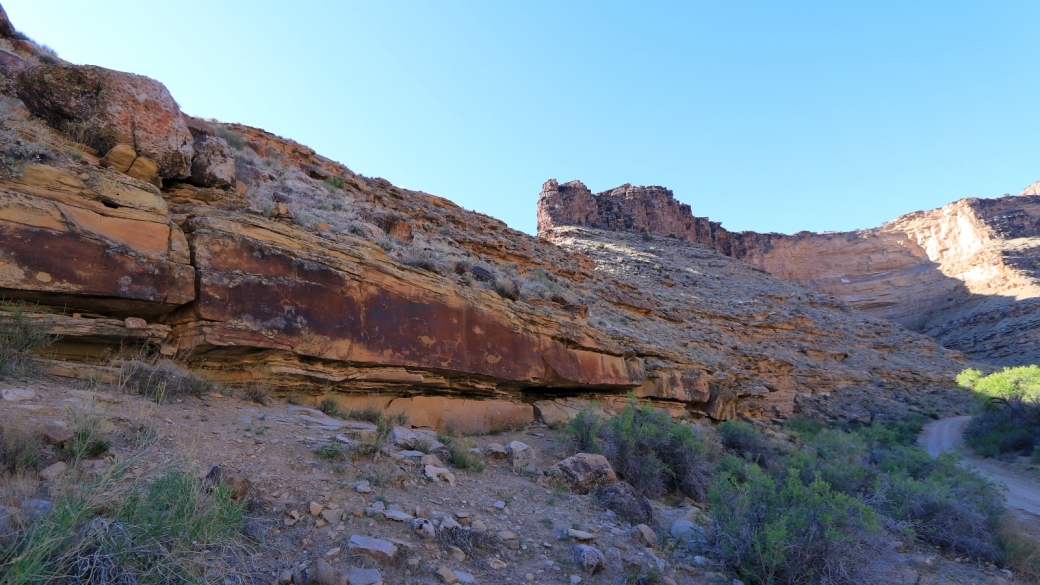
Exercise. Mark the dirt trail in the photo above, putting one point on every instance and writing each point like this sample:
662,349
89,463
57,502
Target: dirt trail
947,435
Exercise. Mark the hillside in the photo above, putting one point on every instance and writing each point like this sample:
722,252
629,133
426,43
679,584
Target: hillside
966,274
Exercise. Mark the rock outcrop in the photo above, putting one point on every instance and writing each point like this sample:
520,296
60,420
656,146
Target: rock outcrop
965,274
110,107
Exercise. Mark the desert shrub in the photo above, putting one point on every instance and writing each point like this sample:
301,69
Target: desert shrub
507,288
582,432
648,449
330,407
646,236
460,457
745,440
368,414
944,504
335,183
19,448
1005,425
330,452
776,532
234,139
162,531
16,151
160,379
21,336
422,259
934,500
258,393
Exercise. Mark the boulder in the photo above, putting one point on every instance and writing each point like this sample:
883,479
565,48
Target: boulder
584,472
625,501
325,574
53,471
521,455
589,558
646,535
145,169
57,432
213,164
111,107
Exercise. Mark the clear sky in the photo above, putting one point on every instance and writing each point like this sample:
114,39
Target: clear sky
772,116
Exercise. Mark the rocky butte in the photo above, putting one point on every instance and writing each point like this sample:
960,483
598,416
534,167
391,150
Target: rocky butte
966,274
251,259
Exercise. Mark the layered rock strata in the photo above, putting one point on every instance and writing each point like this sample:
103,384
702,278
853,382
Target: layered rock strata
965,274
296,273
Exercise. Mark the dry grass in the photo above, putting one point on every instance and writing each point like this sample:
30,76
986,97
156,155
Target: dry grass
1020,550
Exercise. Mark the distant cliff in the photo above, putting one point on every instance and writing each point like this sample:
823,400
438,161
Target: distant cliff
967,274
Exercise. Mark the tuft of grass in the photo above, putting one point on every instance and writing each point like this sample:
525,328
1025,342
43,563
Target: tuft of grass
507,288
21,336
1019,550
86,441
400,418
330,452
19,449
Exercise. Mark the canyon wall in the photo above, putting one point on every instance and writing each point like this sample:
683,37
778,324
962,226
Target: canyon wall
251,259
967,274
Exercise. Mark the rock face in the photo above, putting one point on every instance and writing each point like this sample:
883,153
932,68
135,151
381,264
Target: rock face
111,107
965,274
92,239
311,279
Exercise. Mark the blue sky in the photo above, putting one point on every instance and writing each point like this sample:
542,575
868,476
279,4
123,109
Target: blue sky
772,116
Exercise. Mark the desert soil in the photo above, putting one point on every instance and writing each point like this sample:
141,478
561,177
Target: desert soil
274,446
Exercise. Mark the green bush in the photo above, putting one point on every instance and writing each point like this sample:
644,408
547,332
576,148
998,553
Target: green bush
1008,421
784,531
21,336
932,499
745,440
1022,382
649,450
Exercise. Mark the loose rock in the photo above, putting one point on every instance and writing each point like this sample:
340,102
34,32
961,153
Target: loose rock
53,471
625,501
589,557
325,574
521,455
583,472
364,577
447,575
646,535
380,550
57,432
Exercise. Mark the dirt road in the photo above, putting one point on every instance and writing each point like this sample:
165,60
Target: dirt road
947,435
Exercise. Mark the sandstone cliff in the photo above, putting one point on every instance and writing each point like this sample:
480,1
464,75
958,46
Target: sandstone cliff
254,260
965,274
